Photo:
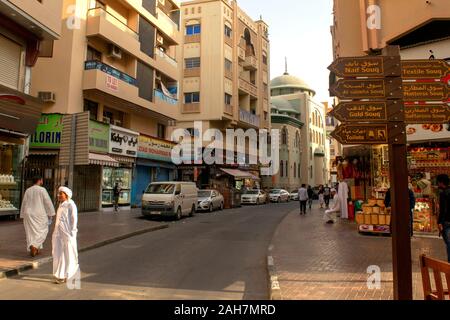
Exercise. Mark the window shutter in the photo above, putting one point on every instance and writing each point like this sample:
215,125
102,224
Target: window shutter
10,56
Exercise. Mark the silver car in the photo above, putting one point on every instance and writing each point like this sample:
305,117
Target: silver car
209,200
254,197
279,195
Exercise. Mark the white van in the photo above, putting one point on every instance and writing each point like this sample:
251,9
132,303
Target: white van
170,199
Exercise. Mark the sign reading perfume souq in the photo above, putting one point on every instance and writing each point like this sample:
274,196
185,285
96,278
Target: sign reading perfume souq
123,142
98,137
48,132
155,149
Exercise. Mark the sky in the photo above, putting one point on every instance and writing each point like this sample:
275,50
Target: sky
302,34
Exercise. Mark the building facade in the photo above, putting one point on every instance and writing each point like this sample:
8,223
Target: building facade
314,147
225,74
27,32
113,78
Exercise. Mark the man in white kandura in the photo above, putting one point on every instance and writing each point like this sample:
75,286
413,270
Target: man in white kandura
65,251
37,211
335,207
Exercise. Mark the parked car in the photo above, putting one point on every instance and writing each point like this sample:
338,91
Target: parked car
294,195
279,195
255,196
209,200
170,199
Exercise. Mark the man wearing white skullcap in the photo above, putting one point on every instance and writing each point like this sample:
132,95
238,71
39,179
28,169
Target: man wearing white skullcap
65,250
330,215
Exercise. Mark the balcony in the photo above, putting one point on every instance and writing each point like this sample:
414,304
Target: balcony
166,64
190,108
250,63
241,53
249,118
102,77
160,96
101,23
229,109
248,88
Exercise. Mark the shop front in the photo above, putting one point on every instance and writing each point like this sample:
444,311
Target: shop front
43,156
123,147
154,164
19,116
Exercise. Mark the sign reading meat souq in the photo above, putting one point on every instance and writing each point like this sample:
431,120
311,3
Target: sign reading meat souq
123,142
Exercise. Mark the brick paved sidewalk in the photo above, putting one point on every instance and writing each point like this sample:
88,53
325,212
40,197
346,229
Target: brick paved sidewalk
315,261
94,229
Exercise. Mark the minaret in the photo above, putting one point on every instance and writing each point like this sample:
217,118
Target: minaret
285,67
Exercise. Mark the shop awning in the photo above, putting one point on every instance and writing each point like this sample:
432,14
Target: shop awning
102,160
240,174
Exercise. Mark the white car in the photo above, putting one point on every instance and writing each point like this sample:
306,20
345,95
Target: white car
254,197
279,195
294,195
209,200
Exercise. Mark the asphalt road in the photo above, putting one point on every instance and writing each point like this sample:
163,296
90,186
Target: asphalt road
219,255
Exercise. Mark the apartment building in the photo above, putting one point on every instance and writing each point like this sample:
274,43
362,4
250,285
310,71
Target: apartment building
225,74
111,91
27,31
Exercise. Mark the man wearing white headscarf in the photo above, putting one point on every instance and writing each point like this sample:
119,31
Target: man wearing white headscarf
330,214
36,211
65,251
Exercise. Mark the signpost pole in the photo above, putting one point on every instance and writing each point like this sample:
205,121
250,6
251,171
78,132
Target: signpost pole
400,223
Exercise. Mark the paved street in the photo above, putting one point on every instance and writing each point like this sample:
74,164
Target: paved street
211,256
315,261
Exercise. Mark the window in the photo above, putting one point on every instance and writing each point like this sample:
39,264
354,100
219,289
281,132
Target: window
228,31
191,63
193,30
93,54
228,99
192,97
228,65
161,131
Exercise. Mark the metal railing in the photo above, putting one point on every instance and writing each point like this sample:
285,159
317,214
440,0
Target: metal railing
160,95
98,65
100,12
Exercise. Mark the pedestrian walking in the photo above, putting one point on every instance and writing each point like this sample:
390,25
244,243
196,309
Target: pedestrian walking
321,196
310,197
330,214
64,240
444,210
116,195
326,196
36,211
303,198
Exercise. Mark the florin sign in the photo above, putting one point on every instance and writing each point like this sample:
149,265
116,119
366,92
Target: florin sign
361,134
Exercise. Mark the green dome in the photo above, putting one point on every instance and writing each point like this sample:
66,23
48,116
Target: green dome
283,105
288,81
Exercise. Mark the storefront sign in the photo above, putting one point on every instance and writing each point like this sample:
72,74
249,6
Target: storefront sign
425,69
361,134
155,149
367,89
98,137
432,91
358,67
427,113
48,132
123,142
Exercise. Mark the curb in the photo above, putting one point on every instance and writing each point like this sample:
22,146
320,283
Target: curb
36,264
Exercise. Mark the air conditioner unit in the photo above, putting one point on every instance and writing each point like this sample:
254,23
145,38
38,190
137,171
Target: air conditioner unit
47,96
106,120
115,52
159,39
